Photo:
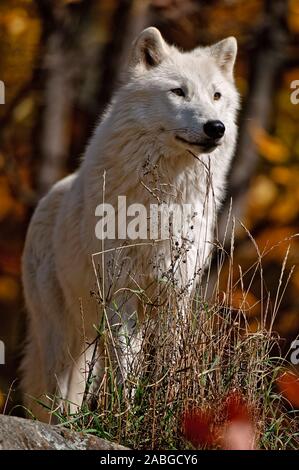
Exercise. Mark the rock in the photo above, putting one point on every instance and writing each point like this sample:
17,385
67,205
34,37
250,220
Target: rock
26,434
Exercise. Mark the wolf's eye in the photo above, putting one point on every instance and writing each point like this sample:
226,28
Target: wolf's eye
217,96
178,92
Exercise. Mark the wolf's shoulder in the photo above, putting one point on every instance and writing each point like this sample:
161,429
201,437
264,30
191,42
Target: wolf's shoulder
50,203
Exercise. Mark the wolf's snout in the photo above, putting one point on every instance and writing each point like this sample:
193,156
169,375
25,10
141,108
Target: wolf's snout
214,129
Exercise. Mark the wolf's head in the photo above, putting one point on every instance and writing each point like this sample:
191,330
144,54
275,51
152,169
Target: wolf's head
186,100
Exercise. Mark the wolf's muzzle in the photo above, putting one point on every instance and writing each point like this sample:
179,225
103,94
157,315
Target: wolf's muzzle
214,129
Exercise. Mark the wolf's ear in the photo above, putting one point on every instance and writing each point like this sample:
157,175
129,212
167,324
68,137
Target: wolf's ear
224,53
149,49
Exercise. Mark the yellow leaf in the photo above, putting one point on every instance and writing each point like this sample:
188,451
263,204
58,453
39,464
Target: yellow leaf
285,210
281,175
293,16
280,238
16,21
24,109
9,289
262,193
245,302
271,148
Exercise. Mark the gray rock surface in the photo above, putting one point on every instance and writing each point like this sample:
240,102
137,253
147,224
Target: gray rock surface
26,434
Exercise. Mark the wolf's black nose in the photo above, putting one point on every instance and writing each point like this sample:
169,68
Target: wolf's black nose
214,129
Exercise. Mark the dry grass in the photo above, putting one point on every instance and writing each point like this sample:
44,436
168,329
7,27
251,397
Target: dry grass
194,352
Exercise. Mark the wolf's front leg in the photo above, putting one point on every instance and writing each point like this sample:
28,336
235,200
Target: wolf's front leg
46,375
129,349
125,340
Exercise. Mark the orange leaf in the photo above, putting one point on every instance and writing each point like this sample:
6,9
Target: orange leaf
288,384
271,148
197,428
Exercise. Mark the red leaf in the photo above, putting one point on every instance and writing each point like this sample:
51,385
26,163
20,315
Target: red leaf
235,408
198,428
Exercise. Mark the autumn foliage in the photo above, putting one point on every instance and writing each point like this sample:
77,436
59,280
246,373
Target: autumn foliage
228,425
288,385
76,50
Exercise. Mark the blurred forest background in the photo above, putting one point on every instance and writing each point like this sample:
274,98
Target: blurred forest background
60,61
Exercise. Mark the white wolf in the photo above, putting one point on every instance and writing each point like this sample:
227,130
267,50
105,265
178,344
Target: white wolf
175,114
